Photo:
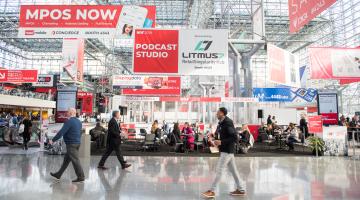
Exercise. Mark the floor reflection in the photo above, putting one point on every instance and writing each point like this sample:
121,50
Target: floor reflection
283,178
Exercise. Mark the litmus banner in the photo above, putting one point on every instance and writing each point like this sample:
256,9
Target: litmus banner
335,63
315,124
302,12
72,60
156,86
84,21
283,67
18,76
181,52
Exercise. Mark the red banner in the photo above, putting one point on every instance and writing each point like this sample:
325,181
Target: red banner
334,63
170,87
83,21
86,99
301,12
315,124
156,51
18,76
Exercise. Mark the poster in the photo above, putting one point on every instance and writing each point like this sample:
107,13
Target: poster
86,99
283,67
335,63
66,98
328,108
156,86
335,140
181,52
84,21
72,60
18,76
301,12
315,124
44,81
285,94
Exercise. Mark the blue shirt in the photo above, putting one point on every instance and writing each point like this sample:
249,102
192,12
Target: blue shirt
71,131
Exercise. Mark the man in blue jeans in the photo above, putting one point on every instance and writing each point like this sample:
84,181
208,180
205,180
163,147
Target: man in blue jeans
226,138
71,132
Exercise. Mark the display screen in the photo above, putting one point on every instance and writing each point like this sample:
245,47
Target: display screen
328,108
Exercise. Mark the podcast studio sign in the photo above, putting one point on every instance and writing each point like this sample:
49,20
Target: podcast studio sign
181,52
301,12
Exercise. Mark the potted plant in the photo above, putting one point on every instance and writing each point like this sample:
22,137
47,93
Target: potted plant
316,144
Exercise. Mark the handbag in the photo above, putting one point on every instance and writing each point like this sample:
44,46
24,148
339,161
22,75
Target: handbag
214,149
21,128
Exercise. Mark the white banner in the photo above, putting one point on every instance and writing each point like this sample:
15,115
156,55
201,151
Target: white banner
203,52
345,62
44,81
136,98
283,67
72,60
239,99
128,81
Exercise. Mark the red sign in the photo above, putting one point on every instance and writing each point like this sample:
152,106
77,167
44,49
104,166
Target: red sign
335,63
276,58
301,12
86,101
170,87
315,124
156,51
18,76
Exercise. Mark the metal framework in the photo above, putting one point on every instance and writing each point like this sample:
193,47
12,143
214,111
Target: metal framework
338,26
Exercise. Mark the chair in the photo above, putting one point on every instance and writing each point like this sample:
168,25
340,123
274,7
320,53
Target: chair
149,142
199,142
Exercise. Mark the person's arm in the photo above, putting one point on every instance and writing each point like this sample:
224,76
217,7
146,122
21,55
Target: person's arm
113,130
62,131
230,130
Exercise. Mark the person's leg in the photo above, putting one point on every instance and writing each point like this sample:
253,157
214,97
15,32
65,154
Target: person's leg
233,170
65,164
24,141
220,168
119,155
107,153
74,157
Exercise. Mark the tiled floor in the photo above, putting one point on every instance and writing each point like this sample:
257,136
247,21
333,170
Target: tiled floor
25,176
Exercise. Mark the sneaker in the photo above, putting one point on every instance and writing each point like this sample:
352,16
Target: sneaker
102,167
238,193
56,178
126,166
209,194
78,180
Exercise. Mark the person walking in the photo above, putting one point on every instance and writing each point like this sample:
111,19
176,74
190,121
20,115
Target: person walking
113,142
225,139
27,131
71,132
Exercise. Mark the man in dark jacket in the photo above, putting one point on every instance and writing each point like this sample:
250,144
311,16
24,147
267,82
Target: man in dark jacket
113,142
71,132
226,138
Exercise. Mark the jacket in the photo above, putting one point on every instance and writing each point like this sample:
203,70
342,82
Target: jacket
113,132
226,132
71,131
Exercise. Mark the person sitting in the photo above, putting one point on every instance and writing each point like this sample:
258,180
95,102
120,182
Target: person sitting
156,130
189,138
245,135
293,136
98,135
175,135
342,121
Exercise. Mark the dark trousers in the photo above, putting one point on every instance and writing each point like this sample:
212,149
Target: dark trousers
291,141
26,139
109,149
72,155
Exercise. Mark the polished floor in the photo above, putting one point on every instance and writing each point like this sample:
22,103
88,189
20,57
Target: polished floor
25,176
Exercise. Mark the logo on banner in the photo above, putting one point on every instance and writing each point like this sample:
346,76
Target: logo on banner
203,45
3,76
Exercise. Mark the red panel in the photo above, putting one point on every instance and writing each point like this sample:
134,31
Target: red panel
156,51
301,12
254,130
315,124
18,76
172,87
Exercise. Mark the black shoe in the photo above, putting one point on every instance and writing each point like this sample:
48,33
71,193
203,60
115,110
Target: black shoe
102,167
78,180
125,161
56,177
126,166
